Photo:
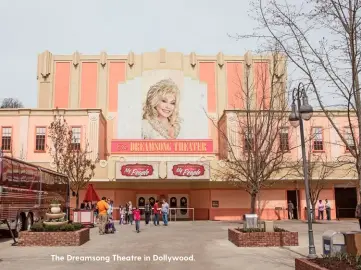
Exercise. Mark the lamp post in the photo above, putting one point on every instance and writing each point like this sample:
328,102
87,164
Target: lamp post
298,114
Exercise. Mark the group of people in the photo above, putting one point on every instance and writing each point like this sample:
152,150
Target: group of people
128,214
322,207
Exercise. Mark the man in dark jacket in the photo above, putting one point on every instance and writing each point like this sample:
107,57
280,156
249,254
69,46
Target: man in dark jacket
147,212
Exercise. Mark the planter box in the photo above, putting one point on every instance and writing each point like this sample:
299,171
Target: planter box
262,239
75,238
304,264
353,243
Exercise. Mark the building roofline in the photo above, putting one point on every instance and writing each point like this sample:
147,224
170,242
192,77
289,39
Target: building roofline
50,112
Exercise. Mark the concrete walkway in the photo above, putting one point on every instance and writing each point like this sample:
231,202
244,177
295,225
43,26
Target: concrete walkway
206,241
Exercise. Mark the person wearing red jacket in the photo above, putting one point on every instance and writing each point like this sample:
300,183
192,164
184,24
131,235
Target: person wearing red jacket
136,215
156,213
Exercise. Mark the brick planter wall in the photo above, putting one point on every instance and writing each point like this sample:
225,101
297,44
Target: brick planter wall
262,239
304,264
76,238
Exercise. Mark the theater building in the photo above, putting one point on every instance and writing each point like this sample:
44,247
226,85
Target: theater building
152,122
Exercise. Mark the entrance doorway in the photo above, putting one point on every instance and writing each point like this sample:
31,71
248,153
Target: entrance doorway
293,196
346,201
179,201
143,198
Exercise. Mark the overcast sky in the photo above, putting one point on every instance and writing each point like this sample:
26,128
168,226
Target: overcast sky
116,26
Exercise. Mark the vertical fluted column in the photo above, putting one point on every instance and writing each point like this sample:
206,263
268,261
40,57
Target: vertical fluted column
93,134
23,137
103,83
45,78
75,82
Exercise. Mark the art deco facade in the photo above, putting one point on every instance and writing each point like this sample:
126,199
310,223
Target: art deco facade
103,99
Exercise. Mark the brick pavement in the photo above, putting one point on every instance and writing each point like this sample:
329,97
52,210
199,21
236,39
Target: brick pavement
205,240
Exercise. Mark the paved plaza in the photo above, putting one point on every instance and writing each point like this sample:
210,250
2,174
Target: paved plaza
206,241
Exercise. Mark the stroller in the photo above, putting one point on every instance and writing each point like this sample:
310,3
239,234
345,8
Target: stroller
109,227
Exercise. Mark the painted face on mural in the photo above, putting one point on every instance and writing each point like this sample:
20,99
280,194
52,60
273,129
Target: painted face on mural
166,105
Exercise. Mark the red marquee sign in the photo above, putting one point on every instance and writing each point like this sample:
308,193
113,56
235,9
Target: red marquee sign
137,170
188,170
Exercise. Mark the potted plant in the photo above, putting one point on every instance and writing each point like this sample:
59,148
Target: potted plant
55,207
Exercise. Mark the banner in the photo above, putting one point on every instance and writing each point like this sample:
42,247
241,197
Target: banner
162,147
188,170
137,170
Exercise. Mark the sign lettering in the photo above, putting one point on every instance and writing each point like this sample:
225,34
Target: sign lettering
161,146
188,170
137,170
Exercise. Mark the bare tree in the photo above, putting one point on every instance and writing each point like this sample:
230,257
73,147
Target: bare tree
319,169
321,38
69,157
253,152
11,103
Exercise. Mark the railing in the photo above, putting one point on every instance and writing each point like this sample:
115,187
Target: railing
348,212
170,212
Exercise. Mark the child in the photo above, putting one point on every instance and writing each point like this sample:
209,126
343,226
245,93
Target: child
121,215
136,214
110,228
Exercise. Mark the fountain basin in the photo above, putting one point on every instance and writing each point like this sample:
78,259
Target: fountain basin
56,223
55,216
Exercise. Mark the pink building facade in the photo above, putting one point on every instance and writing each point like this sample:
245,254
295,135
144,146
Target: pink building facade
110,102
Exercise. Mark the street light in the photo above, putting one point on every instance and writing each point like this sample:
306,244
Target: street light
296,118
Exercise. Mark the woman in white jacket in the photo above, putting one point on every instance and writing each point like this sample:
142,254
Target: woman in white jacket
130,213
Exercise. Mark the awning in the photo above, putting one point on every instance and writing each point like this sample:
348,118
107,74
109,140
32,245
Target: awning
91,195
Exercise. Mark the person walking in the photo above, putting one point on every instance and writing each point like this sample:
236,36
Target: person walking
291,208
130,213
321,208
156,213
165,210
126,214
147,212
328,209
102,207
121,215
110,209
136,215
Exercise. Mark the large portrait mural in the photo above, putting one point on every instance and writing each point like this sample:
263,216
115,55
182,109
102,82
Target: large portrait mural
162,110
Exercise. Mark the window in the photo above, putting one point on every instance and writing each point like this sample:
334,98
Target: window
317,139
6,138
284,142
349,139
248,141
40,139
76,138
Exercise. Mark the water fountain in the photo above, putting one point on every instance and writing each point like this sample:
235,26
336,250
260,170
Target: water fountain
56,217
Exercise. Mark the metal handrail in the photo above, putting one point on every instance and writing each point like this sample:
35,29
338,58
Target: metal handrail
170,211
338,211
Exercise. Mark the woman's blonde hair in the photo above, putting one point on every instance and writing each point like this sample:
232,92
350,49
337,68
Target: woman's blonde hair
155,95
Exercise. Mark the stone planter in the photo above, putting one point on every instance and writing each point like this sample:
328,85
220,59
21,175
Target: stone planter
75,238
262,239
55,216
304,264
55,223
55,208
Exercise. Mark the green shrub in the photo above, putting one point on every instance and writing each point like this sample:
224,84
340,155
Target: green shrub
277,229
51,228
249,230
70,227
37,227
67,228
77,226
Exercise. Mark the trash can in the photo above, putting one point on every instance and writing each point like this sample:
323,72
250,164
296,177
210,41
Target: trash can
250,221
333,242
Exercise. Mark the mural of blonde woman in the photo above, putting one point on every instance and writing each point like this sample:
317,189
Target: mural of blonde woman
161,111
